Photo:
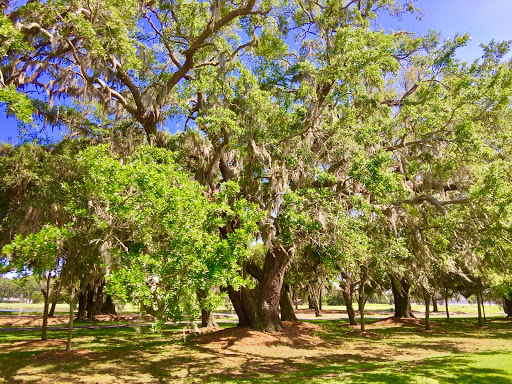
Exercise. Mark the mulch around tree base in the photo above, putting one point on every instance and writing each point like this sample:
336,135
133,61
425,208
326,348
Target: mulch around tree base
293,334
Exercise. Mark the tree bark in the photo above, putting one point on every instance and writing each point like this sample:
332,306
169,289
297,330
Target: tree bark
82,304
400,290
108,307
427,298
72,299
435,307
446,304
44,328
348,292
258,308
361,305
483,306
285,302
94,300
507,305
207,319
55,298
480,320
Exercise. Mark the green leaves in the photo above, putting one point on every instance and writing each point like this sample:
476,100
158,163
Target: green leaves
37,252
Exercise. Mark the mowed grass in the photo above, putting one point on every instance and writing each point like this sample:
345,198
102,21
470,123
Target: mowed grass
468,309
454,352
37,308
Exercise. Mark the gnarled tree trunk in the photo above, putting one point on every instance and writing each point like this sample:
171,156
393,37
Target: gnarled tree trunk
258,308
400,290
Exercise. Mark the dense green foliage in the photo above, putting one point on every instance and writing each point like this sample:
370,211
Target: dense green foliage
368,158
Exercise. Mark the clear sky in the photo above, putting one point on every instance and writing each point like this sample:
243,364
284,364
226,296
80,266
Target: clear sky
483,20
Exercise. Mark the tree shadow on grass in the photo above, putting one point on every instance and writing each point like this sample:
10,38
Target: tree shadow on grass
123,355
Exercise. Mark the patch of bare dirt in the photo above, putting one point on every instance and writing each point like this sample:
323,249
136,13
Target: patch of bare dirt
30,321
63,355
37,321
293,334
34,344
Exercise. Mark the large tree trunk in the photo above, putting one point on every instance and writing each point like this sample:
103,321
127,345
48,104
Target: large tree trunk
348,292
285,302
258,308
400,290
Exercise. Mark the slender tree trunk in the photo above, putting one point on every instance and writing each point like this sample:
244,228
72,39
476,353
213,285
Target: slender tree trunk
480,321
72,300
55,298
483,306
320,298
207,319
44,328
507,305
285,302
427,298
361,304
401,297
435,307
446,304
347,296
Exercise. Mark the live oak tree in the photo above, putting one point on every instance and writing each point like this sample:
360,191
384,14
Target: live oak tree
303,105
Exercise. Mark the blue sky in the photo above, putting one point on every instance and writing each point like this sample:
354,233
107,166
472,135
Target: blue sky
483,20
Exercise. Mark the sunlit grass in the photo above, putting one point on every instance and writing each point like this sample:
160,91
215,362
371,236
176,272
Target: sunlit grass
456,351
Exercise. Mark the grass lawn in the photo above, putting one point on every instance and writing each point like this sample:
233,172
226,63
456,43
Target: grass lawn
37,308
319,352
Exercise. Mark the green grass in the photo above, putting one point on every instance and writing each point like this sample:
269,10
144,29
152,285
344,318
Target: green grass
456,351
60,309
